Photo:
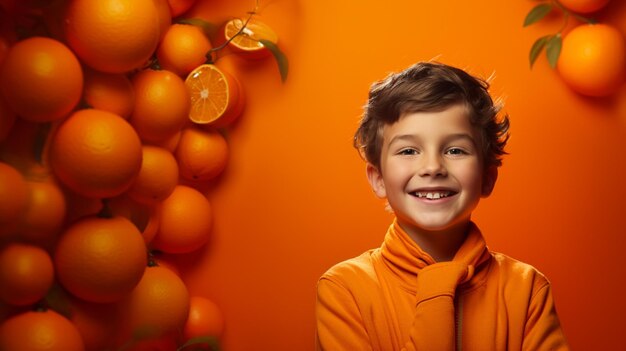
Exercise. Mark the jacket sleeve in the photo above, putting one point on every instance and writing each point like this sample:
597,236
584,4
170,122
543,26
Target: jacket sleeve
543,329
339,323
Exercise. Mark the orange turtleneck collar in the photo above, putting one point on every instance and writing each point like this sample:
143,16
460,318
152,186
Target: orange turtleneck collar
406,259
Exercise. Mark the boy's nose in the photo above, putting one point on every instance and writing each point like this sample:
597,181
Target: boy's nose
433,166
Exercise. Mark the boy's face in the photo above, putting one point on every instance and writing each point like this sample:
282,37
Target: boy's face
431,171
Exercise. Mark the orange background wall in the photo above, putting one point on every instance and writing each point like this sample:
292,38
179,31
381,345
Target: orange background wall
294,199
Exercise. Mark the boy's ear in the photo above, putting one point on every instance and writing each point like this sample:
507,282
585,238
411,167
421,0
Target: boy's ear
489,180
375,177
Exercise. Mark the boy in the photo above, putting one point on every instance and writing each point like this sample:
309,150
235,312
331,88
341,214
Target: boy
433,142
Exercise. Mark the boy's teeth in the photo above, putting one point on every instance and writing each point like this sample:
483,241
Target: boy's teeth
433,195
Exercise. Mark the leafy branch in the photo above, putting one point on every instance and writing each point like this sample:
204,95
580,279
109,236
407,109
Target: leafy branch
211,30
551,42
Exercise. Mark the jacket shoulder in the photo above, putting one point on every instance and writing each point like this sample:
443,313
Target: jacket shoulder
356,270
515,269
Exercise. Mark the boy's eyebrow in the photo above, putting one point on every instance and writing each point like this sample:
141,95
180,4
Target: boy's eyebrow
407,137
448,138
457,136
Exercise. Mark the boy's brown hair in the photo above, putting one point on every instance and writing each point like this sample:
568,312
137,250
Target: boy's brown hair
431,87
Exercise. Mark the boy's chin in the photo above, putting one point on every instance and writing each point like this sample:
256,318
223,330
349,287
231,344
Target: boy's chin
435,226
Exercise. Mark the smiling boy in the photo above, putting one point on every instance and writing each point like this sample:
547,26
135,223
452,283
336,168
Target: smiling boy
433,141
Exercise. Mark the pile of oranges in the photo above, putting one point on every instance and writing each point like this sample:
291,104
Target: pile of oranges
110,129
591,57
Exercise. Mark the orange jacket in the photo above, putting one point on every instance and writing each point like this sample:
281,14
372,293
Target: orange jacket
397,297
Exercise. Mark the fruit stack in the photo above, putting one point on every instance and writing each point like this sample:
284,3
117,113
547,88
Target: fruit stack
112,115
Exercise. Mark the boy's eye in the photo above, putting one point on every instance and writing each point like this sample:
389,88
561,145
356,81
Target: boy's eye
407,152
456,151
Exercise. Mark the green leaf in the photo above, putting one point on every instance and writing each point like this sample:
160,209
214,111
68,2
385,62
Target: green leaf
553,49
537,13
281,59
535,50
210,340
208,28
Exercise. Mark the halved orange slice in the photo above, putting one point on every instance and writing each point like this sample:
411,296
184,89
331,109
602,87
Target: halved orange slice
249,41
216,96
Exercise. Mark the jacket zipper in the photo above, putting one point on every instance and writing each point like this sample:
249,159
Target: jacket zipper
458,321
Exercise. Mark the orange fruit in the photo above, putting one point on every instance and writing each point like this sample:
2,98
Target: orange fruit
216,96
169,261
205,319
46,209
96,153
94,322
158,175
26,274
7,119
7,310
146,217
41,79
100,259
159,305
593,59
248,42
113,36
164,15
178,7
201,154
584,6
109,92
14,194
170,143
161,104
186,221
183,48
39,331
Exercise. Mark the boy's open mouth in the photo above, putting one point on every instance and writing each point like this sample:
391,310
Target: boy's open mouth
432,195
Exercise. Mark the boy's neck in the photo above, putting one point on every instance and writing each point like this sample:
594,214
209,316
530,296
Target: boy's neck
440,245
